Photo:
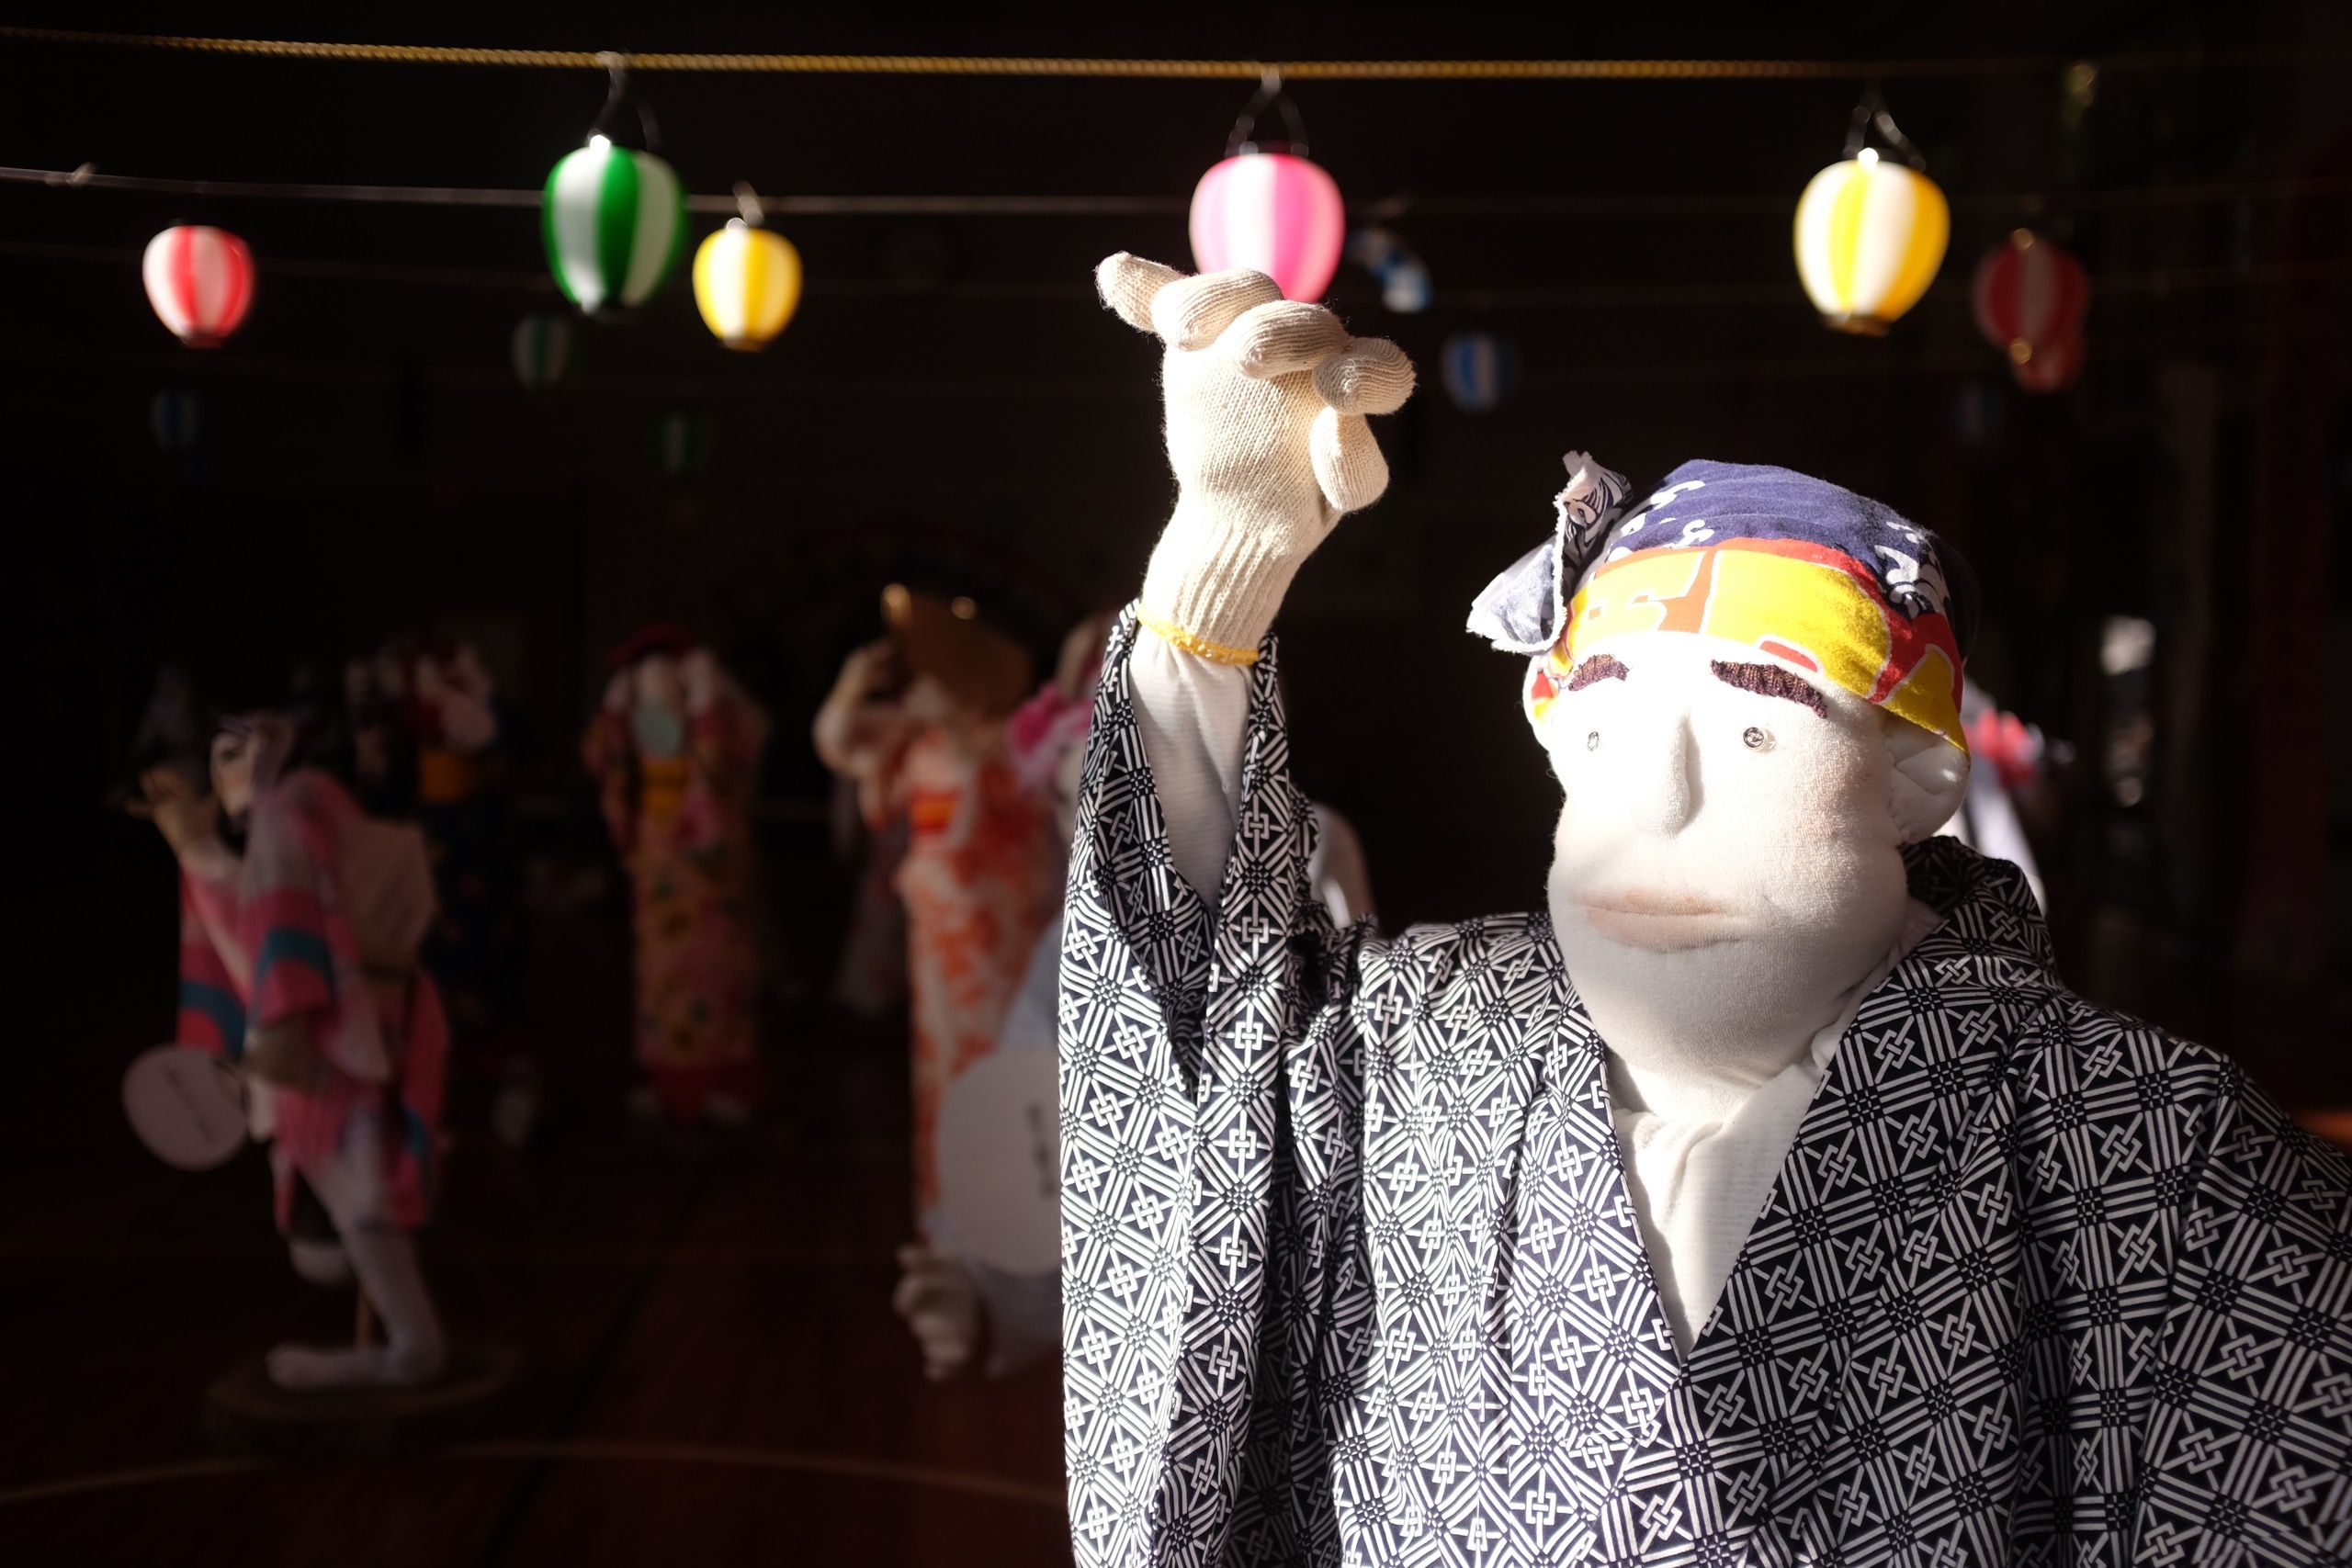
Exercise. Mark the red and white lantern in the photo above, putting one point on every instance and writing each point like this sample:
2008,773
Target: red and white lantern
2031,296
1272,213
2053,368
200,280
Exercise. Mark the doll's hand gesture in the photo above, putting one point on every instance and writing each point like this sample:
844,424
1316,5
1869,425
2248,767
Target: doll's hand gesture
185,818
862,723
1266,398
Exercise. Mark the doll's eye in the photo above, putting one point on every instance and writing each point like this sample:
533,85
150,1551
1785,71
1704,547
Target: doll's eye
1593,740
1757,738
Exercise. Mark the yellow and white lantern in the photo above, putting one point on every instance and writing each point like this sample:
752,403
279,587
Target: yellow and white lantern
1870,235
747,282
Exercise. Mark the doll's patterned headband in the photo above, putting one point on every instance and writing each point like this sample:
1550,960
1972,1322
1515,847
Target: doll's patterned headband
1814,577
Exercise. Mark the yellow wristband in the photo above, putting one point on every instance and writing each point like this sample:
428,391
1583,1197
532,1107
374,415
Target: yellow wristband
1193,643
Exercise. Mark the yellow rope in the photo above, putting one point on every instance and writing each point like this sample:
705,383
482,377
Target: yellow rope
1218,70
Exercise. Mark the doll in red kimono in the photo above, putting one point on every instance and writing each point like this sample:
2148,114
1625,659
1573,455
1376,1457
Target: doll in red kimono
300,922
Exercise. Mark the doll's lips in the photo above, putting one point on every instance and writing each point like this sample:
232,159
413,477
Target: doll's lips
1658,923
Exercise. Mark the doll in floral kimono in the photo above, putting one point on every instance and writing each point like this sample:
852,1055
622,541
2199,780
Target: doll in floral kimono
918,722
966,1312
1760,1195
300,924
674,751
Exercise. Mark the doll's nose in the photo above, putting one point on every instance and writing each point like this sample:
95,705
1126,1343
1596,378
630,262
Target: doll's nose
1670,796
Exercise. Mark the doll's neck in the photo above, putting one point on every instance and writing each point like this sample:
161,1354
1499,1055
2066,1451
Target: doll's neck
1692,1036
1701,1067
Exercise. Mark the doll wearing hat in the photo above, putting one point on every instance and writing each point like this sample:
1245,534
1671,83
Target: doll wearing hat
918,721
1765,1197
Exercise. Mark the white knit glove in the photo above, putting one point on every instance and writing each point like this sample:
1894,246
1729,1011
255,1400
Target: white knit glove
1266,398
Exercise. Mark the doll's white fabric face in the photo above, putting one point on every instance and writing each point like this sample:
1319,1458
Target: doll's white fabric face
1726,864
929,702
232,770
658,717
250,752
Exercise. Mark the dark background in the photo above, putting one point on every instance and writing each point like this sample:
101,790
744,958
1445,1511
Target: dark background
951,405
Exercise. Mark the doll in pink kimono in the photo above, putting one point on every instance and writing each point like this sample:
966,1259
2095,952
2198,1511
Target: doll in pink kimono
300,922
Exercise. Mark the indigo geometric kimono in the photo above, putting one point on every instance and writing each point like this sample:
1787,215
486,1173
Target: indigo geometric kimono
1352,1275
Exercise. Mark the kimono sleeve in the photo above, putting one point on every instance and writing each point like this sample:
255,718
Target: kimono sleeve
1209,1086
604,752
306,966
212,1006
2248,1456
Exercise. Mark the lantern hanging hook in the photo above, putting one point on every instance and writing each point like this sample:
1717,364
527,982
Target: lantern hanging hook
747,205
1871,115
1270,95
617,98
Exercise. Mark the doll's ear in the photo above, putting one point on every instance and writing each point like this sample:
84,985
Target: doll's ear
1930,780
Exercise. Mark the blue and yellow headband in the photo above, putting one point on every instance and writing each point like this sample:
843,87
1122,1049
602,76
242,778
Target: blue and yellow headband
1811,576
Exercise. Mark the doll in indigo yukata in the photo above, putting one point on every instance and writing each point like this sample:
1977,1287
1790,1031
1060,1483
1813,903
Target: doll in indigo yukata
1762,1197
674,750
300,923
918,721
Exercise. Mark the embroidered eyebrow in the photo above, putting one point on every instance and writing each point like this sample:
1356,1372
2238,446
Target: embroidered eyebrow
1600,667
1770,681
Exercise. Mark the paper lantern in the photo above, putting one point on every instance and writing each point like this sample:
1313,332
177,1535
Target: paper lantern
682,442
200,280
1481,370
1404,281
1976,409
747,282
175,418
544,352
2030,297
615,220
1870,235
2053,368
1275,213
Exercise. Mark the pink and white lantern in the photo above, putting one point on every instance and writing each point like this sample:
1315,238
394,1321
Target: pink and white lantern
200,280
1272,213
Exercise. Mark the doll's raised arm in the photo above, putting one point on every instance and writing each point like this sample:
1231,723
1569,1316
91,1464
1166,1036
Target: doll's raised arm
1265,401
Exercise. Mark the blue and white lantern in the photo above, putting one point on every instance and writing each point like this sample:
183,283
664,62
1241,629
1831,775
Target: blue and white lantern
1481,370
1404,281
1976,413
175,416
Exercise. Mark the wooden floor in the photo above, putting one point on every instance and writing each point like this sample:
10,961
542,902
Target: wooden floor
714,1374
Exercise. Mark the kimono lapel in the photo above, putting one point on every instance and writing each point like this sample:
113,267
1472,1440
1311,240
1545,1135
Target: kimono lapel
1840,1279
1592,1355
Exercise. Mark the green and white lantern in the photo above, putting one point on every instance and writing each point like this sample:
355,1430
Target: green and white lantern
544,354
682,442
614,219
